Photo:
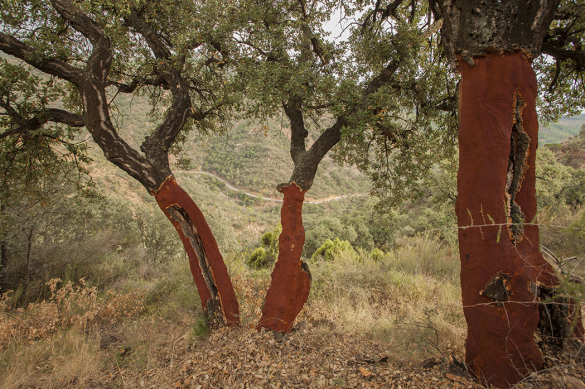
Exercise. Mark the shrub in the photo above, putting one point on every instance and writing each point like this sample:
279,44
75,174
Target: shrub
265,256
258,259
70,306
267,239
376,254
330,249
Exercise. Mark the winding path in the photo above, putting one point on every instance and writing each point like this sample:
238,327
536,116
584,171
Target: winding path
231,187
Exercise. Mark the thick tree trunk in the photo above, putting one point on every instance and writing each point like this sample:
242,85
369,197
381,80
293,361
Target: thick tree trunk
291,280
209,271
501,263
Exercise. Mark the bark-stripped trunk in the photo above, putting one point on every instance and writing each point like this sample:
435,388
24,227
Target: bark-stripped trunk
291,280
501,263
207,267
504,277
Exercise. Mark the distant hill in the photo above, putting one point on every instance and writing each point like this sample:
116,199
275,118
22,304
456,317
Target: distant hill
561,130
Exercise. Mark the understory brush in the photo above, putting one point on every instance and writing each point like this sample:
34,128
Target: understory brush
562,232
67,360
69,306
54,343
409,298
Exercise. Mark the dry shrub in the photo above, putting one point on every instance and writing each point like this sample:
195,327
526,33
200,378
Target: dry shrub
70,306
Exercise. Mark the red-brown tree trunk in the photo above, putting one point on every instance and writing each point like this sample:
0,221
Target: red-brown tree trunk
207,267
501,263
290,286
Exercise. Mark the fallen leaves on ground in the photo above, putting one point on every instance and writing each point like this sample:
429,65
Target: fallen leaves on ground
314,356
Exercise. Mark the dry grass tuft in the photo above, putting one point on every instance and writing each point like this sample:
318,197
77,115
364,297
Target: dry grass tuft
68,360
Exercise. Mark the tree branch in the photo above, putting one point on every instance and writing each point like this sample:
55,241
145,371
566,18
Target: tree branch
61,69
578,57
299,133
101,55
25,127
156,146
154,41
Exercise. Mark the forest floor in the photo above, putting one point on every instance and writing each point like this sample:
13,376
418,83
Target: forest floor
314,355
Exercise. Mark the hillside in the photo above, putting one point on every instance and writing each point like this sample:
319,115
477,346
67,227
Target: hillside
561,130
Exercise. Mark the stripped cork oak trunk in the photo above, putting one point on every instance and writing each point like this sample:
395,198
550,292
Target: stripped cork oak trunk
207,267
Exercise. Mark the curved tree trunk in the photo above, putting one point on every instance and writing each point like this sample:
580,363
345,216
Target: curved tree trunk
291,280
207,267
501,263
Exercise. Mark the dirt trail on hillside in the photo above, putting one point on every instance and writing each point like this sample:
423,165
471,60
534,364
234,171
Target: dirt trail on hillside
307,201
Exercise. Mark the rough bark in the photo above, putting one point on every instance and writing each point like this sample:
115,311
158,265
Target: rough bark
291,280
472,28
3,255
218,298
501,263
3,245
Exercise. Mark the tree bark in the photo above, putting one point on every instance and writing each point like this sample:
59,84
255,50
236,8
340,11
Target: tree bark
3,245
501,263
291,280
218,298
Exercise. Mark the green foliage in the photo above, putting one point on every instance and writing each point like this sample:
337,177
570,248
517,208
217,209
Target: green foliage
265,256
565,128
258,259
200,329
326,228
560,177
332,248
562,78
267,239
376,254
399,133
551,178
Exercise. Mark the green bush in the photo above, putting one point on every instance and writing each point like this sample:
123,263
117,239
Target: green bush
265,256
330,249
267,239
376,254
258,259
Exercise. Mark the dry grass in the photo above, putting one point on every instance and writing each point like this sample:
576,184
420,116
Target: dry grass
395,300
69,306
408,302
68,360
